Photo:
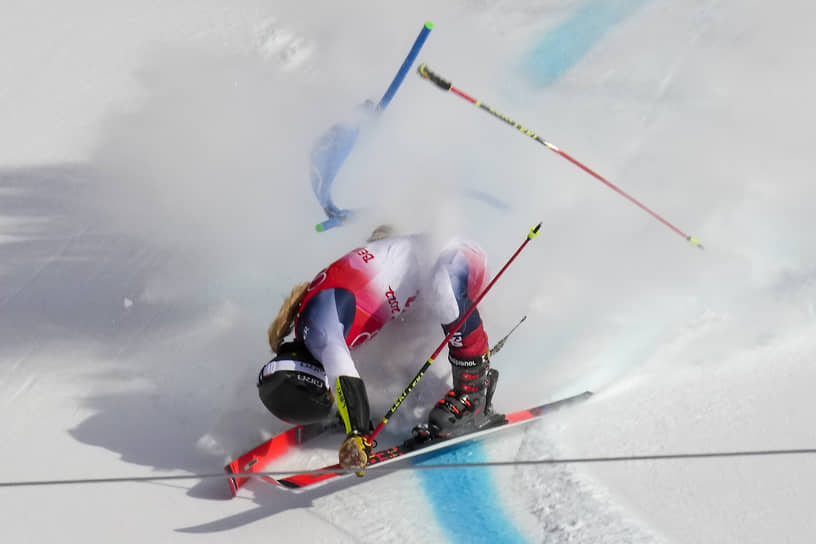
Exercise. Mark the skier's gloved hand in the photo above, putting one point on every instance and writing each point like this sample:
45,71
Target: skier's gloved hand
352,405
354,452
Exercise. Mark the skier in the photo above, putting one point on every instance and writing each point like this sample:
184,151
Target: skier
347,304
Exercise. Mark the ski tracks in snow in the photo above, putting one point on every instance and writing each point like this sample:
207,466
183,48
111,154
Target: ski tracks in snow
568,507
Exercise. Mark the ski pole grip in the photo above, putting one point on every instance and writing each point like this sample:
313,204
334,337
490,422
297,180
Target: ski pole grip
425,72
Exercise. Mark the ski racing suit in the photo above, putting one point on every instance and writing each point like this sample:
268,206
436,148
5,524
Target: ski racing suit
352,299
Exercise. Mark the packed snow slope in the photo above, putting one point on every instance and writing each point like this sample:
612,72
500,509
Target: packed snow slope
155,211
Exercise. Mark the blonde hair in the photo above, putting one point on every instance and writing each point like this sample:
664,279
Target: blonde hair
285,320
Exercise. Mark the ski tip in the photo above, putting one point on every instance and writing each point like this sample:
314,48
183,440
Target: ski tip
429,25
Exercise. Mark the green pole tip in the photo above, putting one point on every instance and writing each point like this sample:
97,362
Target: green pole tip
429,25
319,227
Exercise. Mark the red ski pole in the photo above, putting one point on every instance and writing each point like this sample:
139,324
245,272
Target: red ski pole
532,234
445,85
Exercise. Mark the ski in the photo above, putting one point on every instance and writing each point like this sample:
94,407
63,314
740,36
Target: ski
412,447
256,459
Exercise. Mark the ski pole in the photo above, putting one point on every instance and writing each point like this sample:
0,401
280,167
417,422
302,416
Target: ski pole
532,234
500,344
445,85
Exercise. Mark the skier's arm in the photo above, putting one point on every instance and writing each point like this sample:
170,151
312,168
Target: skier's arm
349,389
352,406
322,329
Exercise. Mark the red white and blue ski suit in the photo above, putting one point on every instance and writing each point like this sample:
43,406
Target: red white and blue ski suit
352,299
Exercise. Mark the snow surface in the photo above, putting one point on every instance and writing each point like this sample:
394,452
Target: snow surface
155,210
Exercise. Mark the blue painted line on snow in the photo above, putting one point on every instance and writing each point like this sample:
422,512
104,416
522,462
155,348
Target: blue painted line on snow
464,500
565,45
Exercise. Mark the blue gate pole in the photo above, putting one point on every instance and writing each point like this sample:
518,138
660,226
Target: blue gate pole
406,65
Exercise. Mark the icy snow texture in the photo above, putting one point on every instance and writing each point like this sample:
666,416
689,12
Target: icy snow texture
155,210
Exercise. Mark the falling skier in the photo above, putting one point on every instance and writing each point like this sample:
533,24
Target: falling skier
347,304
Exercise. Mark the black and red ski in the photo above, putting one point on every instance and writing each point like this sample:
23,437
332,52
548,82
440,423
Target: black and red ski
412,447
256,459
